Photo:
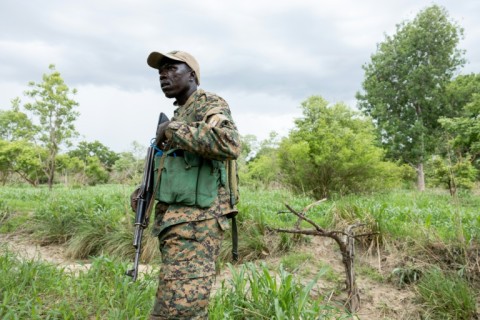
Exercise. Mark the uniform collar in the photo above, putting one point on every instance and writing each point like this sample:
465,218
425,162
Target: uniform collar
190,99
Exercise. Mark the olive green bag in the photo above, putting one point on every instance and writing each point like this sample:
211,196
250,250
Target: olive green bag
188,179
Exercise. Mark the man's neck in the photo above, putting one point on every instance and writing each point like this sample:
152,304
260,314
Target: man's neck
180,101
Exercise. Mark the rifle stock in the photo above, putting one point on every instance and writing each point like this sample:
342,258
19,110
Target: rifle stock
145,197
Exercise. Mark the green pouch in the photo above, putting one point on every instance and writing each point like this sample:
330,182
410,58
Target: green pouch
209,179
188,180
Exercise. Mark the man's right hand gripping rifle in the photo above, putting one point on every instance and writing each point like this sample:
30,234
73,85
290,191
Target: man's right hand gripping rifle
142,198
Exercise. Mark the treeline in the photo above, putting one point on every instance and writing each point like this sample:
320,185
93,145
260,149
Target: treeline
418,124
33,136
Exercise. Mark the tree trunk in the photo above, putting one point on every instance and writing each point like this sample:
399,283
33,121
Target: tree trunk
420,177
348,255
51,170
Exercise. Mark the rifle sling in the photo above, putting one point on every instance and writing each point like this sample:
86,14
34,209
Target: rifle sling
234,239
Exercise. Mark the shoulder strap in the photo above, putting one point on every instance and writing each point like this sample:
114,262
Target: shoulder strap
214,117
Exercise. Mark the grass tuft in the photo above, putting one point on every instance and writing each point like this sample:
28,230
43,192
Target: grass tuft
256,293
446,296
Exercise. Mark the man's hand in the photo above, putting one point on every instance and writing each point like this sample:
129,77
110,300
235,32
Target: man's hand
134,199
161,132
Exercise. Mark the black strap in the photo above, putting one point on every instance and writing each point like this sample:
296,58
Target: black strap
234,239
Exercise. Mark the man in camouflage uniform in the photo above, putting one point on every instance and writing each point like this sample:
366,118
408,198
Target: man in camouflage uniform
190,235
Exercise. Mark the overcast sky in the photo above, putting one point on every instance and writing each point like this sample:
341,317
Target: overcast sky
264,57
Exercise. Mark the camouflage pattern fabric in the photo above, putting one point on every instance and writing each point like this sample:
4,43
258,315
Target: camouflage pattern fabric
190,237
189,132
189,251
169,215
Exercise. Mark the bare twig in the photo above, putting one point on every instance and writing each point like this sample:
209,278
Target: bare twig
304,211
313,204
344,239
303,217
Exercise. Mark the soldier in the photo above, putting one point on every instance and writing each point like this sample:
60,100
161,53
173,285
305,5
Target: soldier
194,194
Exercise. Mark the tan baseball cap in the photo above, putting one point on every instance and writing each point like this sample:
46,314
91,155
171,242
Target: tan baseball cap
154,58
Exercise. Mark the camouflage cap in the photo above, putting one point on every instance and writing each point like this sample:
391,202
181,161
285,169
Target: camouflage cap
154,59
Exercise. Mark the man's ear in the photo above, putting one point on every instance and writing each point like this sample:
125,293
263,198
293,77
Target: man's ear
193,76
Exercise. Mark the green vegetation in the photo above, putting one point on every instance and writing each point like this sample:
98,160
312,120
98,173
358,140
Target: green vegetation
333,150
37,290
416,119
256,293
74,216
404,86
295,260
446,296
95,222
103,292
56,114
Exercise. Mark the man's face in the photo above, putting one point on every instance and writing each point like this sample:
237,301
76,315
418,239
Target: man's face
175,78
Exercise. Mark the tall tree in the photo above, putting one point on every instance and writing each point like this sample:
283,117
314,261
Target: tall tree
56,113
404,85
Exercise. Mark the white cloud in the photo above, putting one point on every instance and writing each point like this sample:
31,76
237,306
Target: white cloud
264,57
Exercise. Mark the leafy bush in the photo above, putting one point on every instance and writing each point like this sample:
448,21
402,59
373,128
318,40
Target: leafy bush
333,150
461,174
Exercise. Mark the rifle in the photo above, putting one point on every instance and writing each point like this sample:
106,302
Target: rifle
145,200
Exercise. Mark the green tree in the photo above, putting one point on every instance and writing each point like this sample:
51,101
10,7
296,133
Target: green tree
332,150
464,130
461,90
71,169
56,114
15,125
86,149
127,168
23,158
95,172
261,161
404,85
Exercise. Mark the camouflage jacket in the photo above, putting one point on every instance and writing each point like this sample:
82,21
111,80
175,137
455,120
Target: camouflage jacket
203,125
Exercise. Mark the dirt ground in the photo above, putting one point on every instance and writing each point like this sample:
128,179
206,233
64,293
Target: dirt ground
379,299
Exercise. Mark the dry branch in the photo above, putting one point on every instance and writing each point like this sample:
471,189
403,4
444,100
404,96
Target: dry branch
345,240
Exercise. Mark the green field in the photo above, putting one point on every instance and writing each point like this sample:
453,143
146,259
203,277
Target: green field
434,236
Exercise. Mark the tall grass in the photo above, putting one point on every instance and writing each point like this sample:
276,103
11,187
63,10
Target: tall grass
446,296
400,215
259,209
90,221
97,221
37,290
256,293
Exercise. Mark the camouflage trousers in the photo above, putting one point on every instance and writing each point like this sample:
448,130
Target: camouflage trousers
189,251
